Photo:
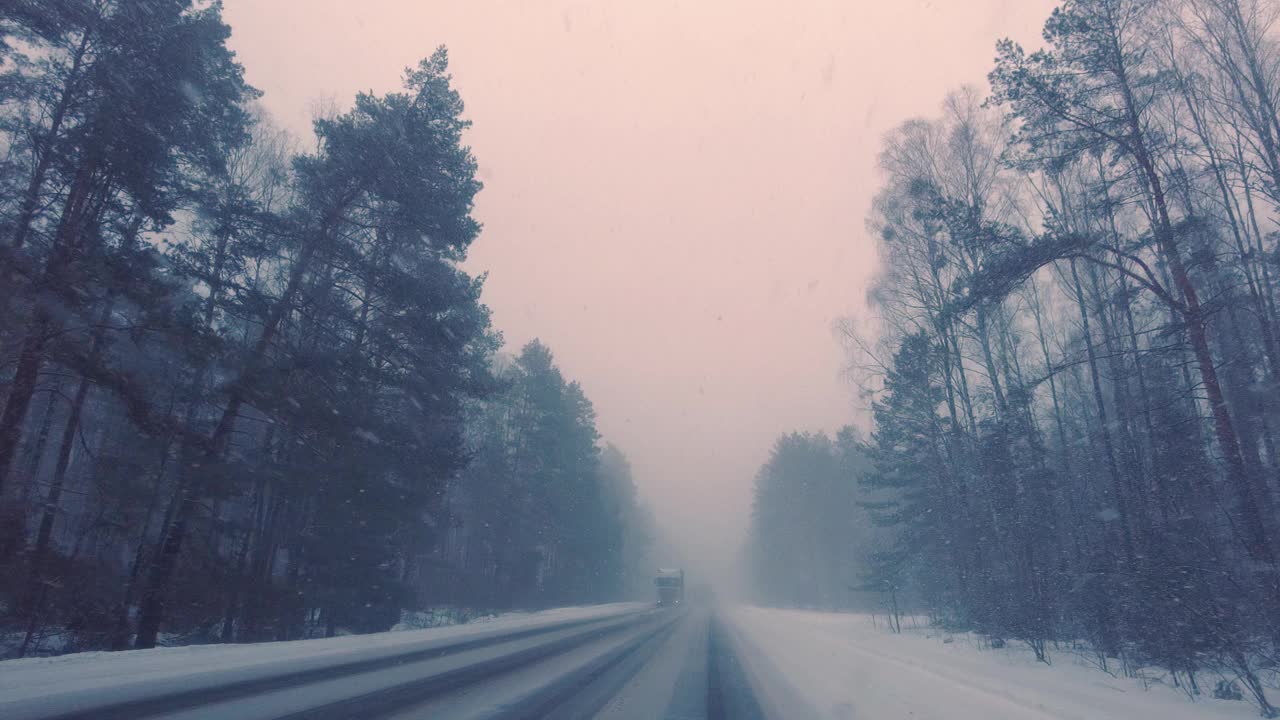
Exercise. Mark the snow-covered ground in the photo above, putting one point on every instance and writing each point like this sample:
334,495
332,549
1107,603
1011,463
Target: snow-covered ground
840,666
184,668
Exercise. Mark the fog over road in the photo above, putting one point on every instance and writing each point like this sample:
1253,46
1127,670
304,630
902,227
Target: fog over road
675,195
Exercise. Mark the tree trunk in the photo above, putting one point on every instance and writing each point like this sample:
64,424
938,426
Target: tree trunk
1117,484
1253,506
161,572
31,355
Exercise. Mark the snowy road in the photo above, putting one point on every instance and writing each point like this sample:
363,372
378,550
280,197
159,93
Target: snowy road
610,662
841,666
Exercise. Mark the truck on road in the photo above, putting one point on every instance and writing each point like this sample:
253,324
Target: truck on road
670,584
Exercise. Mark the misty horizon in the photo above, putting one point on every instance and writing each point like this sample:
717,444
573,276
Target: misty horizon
744,258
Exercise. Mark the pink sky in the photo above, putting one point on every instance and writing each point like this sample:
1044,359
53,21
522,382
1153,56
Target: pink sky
675,193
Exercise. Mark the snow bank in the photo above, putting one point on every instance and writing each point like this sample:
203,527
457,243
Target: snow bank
840,666
179,669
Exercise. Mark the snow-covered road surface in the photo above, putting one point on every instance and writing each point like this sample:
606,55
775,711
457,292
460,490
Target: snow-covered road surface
839,666
203,665
618,661
612,662
175,682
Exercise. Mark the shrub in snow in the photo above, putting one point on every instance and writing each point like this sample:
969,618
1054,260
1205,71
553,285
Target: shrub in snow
1227,690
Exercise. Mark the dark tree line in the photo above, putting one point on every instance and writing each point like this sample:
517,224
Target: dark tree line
551,518
248,388
808,533
1079,410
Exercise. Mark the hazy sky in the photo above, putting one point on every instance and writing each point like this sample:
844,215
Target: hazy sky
675,192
